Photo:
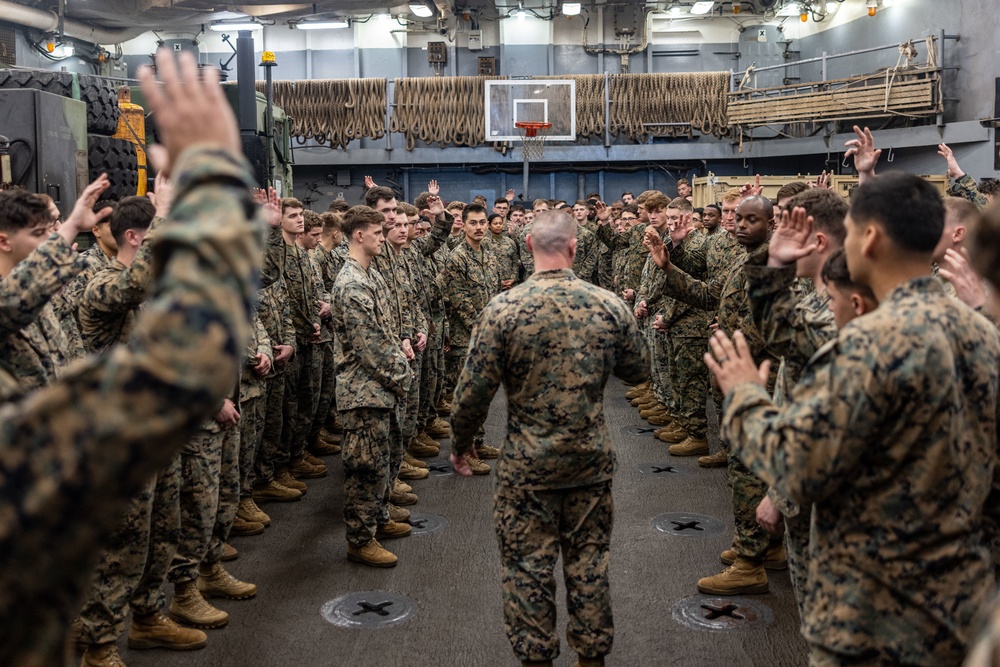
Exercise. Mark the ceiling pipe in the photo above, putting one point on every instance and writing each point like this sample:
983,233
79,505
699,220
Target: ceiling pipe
48,21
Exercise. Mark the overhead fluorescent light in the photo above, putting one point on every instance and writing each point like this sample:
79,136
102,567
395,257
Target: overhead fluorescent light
520,14
243,25
322,25
571,8
702,7
790,9
421,10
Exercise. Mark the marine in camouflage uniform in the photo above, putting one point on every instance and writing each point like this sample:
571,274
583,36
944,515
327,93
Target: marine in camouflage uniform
253,404
33,347
795,323
552,341
729,298
508,257
468,281
373,377
891,434
967,188
144,399
324,372
134,567
67,301
651,292
633,254
274,312
585,263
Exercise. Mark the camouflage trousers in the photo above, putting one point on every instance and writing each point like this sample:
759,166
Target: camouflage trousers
533,528
210,496
455,359
750,540
689,384
431,374
410,414
372,439
662,353
797,547
251,425
133,567
324,380
302,387
274,420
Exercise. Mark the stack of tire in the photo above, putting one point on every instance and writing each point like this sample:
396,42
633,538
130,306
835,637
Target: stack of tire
115,157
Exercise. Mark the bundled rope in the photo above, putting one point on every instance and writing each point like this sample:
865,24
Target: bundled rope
334,111
442,111
589,103
698,98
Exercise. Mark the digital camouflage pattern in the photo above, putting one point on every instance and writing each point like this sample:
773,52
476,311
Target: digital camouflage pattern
553,341
82,446
469,279
508,257
67,301
33,346
399,293
371,440
902,487
633,253
651,292
967,188
530,527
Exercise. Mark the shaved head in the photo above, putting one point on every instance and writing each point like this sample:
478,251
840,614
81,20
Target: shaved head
552,232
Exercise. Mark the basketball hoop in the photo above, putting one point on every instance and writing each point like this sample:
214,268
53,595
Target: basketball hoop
532,138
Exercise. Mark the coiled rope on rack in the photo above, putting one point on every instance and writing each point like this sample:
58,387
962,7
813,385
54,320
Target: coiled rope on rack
440,111
333,111
697,98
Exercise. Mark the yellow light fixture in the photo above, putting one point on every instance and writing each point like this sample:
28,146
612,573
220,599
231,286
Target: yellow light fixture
50,46
872,7
804,17
737,7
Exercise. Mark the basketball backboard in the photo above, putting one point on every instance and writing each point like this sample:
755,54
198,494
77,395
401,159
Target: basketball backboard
546,100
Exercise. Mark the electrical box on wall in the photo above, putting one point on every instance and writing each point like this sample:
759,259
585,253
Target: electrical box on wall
487,66
437,52
475,40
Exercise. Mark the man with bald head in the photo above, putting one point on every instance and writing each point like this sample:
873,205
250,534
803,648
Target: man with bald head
552,342
753,548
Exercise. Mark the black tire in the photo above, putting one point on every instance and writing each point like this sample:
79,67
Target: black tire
102,104
116,158
99,94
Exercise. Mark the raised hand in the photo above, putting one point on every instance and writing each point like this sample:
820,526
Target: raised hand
822,181
968,285
190,109
432,187
435,206
790,241
509,196
83,217
271,203
602,211
864,153
682,230
954,171
752,190
657,250
369,182
162,195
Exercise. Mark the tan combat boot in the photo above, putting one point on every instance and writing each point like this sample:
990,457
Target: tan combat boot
443,408
324,448
661,418
229,552
285,478
275,492
243,528
438,428
428,440
487,452
775,559
477,466
645,397
690,446
657,409
650,402
330,437
413,460
402,499
371,554
422,450
300,468
249,511
189,607
743,577
215,582
158,631
392,530
673,434
397,513
406,471
637,391
102,655
717,460
401,487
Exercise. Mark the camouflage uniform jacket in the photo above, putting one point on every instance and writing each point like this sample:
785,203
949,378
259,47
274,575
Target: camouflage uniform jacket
682,319
891,432
67,301
507,254
390,267
291,263
275,315
587,252
629,246
651,285
371,371
966,188
251,384
430,248
339,255
794,324
527,260
75,451
33,345
319,286
454,240
552,341
468,281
